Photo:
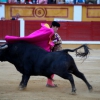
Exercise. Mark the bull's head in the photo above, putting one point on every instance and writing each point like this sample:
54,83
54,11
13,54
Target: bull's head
2,52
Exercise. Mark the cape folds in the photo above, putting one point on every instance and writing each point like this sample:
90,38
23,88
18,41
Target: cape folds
41,37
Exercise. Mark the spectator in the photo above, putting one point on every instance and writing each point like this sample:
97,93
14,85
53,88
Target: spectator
16,17
68,1
80,1
3,1
3,18
42,1
30,1
13,18
91,1
60,2
18,1
13,1
22,1
97,1
51,1
74,1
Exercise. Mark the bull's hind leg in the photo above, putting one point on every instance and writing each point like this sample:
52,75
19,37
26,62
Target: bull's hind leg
70,78
80,75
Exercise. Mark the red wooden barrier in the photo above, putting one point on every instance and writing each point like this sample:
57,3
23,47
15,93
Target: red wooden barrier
9,27
95,31
71,31
31,26
79,31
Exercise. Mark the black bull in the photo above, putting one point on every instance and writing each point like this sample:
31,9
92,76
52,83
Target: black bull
31,60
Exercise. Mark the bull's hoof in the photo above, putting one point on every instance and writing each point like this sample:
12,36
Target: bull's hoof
90,89
73,93
22,87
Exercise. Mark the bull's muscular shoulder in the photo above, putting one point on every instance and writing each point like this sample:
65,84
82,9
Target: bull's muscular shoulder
24,48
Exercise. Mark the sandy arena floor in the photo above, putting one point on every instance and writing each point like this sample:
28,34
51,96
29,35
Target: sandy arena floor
36,89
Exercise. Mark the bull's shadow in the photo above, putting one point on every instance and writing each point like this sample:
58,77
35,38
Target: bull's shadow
31,60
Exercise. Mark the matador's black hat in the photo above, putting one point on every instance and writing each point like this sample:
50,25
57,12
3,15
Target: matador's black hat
54,23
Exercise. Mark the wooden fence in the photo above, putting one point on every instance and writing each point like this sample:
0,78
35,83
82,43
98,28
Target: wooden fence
69,31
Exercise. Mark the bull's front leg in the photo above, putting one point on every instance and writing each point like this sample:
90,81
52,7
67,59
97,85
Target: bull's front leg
24,81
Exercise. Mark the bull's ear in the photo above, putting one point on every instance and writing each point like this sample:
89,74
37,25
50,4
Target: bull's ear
4,47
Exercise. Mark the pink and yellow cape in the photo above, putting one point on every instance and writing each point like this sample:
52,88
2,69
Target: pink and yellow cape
41,37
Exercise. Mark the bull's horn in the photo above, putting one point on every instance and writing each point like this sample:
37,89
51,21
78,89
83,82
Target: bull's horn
4,47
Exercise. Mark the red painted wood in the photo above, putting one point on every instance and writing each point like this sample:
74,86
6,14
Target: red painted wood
80,31
9,27
1,30
69,31
31,26
95,31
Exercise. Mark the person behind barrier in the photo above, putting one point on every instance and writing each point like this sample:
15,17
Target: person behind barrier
3,18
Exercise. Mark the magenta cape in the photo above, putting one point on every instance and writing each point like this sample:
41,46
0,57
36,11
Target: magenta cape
41,37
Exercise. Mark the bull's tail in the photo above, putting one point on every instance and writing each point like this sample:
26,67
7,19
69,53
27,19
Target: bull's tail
80,54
